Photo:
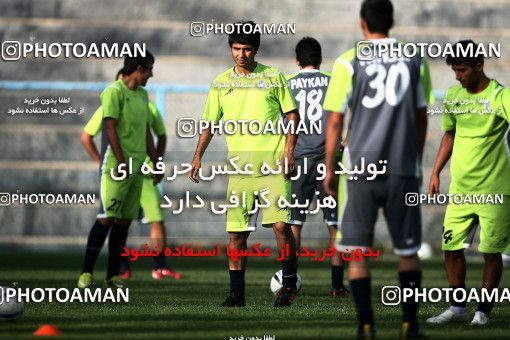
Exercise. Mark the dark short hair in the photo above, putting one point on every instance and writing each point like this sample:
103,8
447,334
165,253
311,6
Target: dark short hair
239,37
309,52
378,14
471,59
132,63
120,72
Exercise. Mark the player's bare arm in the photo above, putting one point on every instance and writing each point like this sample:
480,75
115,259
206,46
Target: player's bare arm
110,125
153,155
443,155
290,144
421,133
421,128
88,143
151,150
161,146
333,140
203,142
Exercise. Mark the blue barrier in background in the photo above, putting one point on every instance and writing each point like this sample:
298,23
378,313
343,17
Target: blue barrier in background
159,89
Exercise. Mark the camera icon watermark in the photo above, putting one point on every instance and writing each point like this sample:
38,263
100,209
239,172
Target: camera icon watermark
197,29
365,50
14,50
390,295
412,199
5,199
11,50
186,128
200,28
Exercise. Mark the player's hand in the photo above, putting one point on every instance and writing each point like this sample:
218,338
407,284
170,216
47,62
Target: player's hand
290,170
157,178
196,164
434,185
330,184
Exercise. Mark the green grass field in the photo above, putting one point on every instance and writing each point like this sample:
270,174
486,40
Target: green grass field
188,308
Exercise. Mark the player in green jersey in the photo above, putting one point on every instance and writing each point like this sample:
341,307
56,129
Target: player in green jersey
150,200
254,92
475,118
126,122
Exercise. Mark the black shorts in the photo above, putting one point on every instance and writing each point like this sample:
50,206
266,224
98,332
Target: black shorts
359,203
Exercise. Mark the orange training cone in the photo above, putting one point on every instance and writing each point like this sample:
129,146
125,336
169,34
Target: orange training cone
47,330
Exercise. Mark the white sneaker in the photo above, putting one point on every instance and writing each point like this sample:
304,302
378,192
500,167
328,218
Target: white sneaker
449,315
480,319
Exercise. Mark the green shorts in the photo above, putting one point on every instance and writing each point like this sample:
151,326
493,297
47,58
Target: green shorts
150,201
494,220
120,199
274,186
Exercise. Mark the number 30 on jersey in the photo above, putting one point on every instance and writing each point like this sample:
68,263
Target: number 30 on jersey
385,84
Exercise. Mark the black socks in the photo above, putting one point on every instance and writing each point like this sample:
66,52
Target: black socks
360,290
95,242
337,277
159,261
289,274
410,279
237,282
116,243
454,302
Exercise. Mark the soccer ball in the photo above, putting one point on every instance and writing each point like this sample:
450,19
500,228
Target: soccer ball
9,310
276,282
425,251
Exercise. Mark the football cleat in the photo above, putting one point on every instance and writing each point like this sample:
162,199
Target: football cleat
115,283
125,275
480,319
285,297
448,316
366,331
85,280
342,292
409,331
159,274
233,301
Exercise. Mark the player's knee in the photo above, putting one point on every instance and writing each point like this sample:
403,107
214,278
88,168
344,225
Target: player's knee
296,230
158,225
107,222
413,257
492,257
409,262
123,222
454,255
281,228
238,239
